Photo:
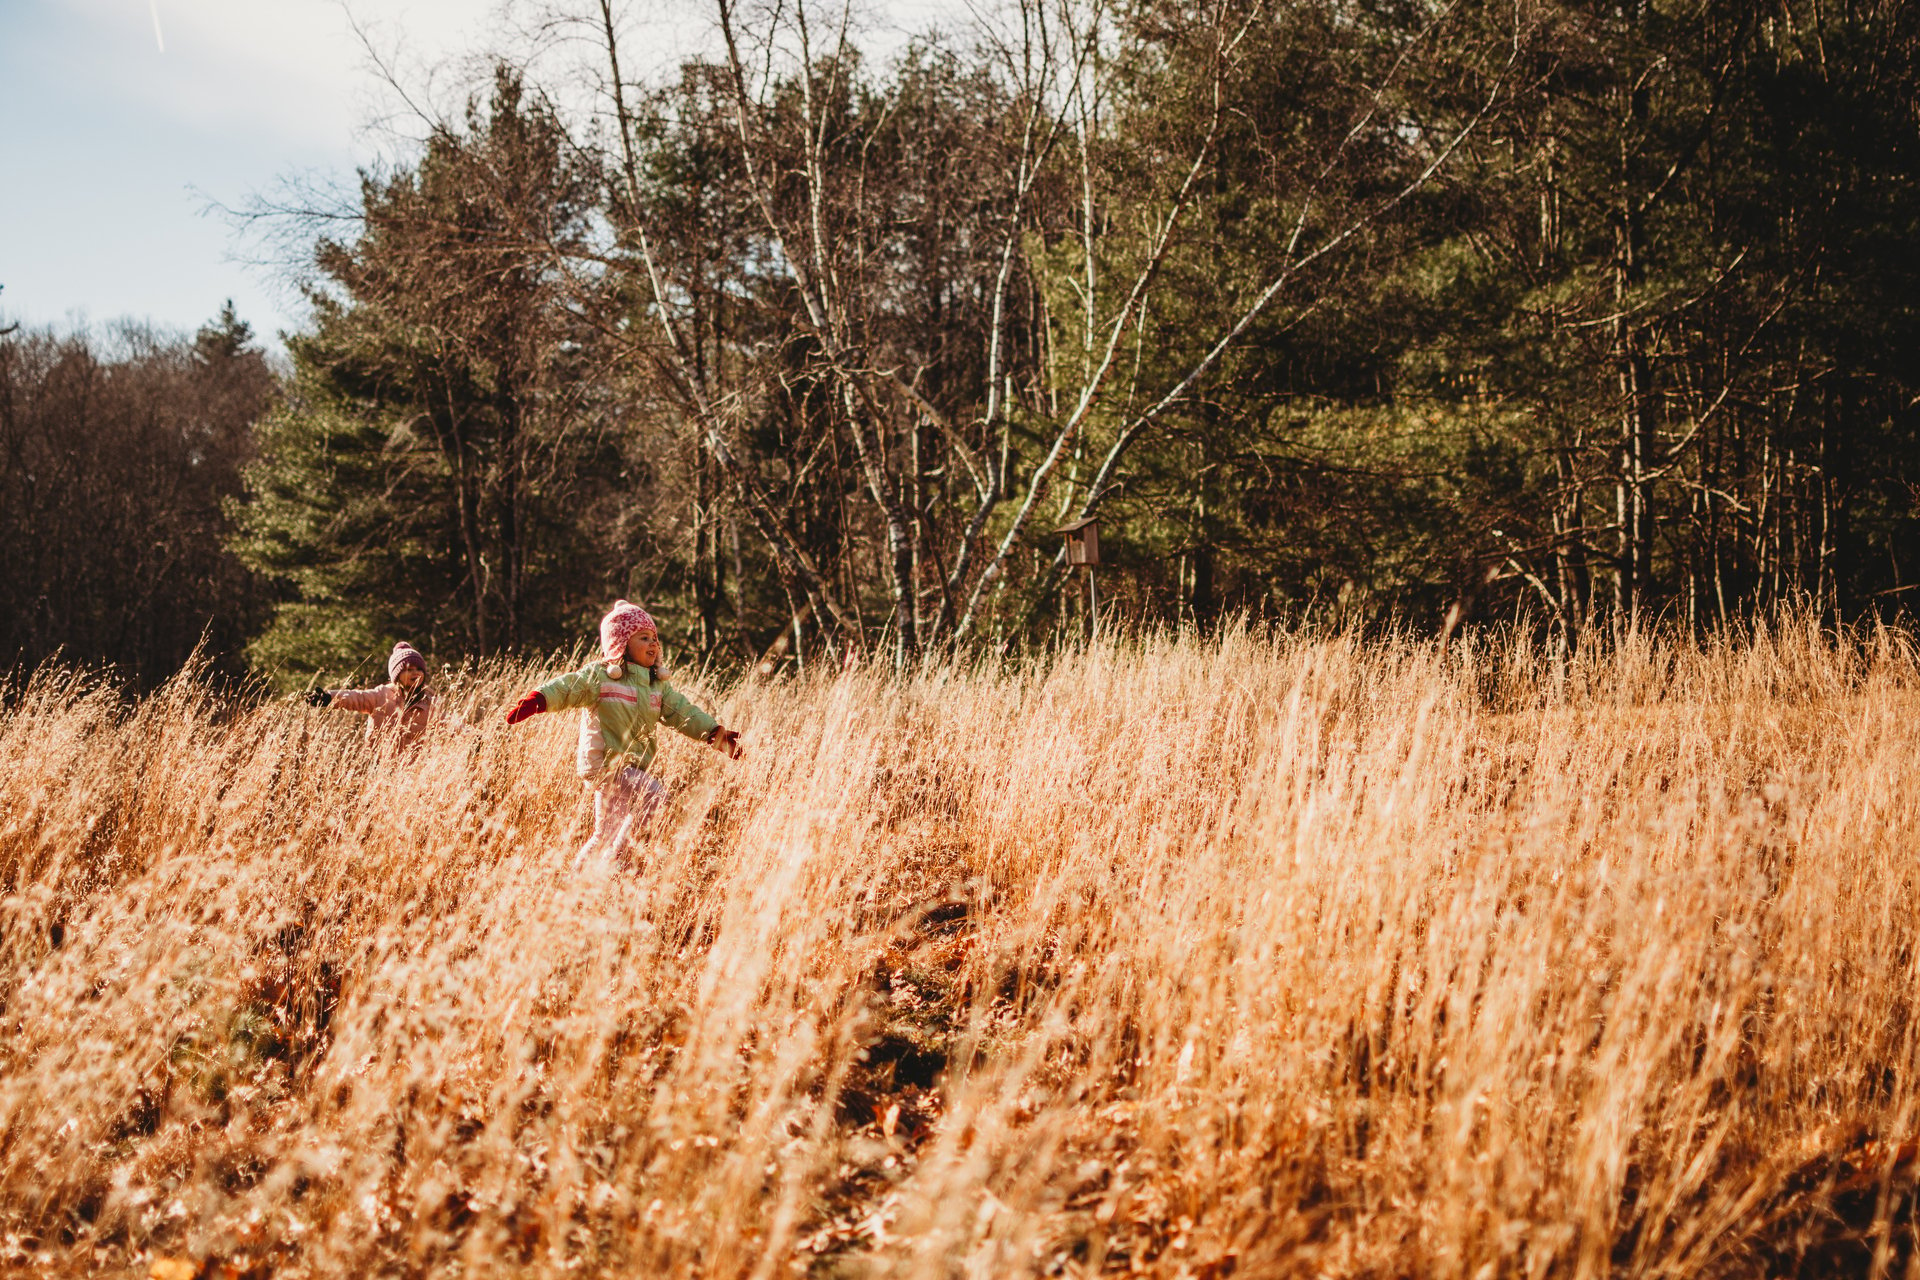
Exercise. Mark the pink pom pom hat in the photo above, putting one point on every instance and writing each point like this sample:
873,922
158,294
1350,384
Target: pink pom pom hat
403,656
624,621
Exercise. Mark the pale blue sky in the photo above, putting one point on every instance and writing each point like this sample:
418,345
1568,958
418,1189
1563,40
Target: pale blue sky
115,136
111,146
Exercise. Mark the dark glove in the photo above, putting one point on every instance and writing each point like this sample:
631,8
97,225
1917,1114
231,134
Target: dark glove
530,704
727,740
319,697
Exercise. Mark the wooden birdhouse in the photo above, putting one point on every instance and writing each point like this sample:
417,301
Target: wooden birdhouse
1083,541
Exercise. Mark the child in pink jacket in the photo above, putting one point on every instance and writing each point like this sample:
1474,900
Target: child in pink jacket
621,699
400,710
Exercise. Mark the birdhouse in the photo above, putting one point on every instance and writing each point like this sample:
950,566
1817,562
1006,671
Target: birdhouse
1083,541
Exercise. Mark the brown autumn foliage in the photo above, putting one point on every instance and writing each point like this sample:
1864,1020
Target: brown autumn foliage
1262,955
118,451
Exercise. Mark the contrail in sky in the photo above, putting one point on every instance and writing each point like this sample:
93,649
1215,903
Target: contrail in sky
158,39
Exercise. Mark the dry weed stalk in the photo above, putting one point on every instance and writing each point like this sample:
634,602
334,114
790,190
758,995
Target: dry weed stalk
1282,955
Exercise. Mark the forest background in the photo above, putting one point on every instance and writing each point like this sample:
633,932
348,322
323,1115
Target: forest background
1582,313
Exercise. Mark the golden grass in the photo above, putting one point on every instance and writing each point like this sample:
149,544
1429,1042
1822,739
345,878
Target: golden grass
1293,955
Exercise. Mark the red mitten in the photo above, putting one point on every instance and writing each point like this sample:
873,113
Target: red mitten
530,704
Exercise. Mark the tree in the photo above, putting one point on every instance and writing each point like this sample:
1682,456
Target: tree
444,454
116,456
1421,311
1685,274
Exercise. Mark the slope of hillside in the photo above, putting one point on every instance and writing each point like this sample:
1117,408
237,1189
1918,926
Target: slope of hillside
1254,956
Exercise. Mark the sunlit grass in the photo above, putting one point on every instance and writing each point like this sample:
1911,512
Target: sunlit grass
1284,955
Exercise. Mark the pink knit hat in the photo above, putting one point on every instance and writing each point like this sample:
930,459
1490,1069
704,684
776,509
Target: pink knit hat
622,623
403,656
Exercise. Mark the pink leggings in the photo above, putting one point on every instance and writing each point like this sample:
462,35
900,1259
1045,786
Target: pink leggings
624,807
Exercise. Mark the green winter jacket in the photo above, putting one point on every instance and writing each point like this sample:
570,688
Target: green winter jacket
616,728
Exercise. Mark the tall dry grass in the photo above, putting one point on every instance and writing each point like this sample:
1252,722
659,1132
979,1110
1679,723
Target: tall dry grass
1295,955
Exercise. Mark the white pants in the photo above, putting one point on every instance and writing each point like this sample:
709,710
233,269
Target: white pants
624,807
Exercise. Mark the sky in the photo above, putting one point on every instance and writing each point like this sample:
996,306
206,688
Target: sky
132,117
128,120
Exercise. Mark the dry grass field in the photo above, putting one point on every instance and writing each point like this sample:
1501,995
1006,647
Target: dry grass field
1256,956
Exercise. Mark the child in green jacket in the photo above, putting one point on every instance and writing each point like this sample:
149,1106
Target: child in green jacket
621,698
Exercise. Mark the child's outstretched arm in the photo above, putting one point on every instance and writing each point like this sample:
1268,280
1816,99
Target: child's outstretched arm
575,689
364,701
678,712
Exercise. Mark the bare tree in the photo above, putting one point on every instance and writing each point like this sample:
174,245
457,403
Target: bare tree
954,457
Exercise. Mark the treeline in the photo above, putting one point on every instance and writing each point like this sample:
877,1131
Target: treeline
119,454
1581,311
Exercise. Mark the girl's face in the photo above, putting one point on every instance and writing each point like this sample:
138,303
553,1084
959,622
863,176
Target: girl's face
410,678
643,647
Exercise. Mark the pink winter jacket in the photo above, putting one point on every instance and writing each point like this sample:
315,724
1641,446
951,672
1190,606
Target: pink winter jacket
389,713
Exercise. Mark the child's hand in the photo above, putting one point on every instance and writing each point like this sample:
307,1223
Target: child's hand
530,704
727,740
319,698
